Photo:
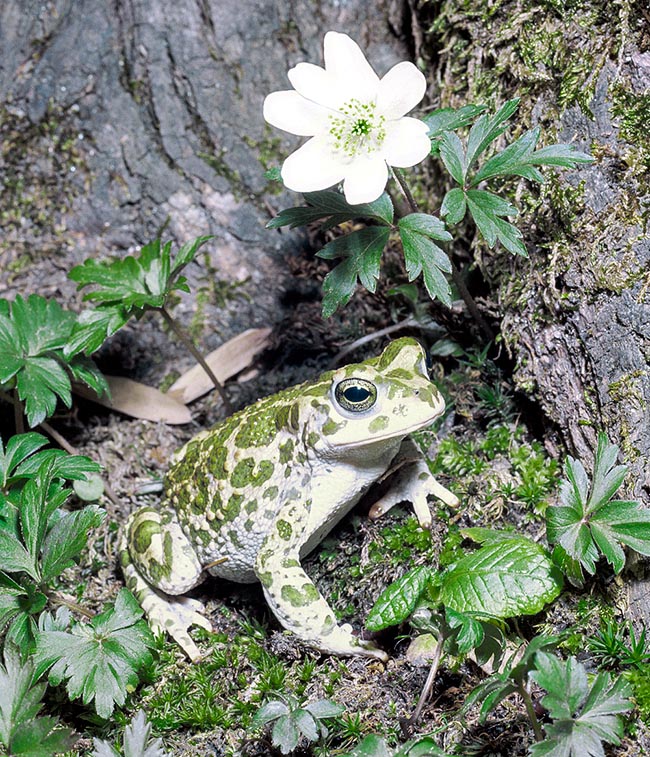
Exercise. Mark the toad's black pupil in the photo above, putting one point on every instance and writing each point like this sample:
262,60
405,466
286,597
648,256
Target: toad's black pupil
356,394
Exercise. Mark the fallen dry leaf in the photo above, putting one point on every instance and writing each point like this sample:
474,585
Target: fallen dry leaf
139,401
226,361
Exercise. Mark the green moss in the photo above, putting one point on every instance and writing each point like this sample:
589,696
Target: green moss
633,111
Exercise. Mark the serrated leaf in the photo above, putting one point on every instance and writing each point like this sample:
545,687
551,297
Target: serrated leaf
285,734
268,712
566,156
487,129
324,708
34,333
487,210
584,715
502,580
362,252
306,723
421,255
66,539
135,283
425,224
19,448
453,156
137,741
99,660
63,465
449,119
588,523
21,732
94,326
398,600
331,205
512,161
454,206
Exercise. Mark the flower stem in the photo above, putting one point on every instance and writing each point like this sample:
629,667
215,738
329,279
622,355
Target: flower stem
173,325
455,273
530,710
19,413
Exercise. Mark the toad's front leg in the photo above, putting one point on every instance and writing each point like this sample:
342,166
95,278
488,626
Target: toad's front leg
292,595
412,481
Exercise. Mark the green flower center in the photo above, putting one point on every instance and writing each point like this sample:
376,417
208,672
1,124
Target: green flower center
357,129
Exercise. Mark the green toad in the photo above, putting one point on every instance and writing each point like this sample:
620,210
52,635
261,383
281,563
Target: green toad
249,498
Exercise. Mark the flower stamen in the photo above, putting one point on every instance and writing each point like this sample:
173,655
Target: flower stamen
358,129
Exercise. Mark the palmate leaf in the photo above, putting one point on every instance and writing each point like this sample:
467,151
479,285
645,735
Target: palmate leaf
137,741
22,733
99,660
448,119
332,206
361,251
488,211
422,255
583,715
136,283
589,523
34,334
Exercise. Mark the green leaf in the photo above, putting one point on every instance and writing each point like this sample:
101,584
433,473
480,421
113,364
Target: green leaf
21,731
427,225
398,600
94,326
487,129
15,558
589,523
565,156
134,283
487,210
137,741
362,252
453,156
63,465
34,334
421,255
268,712
325,708
454,206
331,205
19,447
285,734
501,580
66,540
306,724
584,716
99,660
448,119
371,746
468,631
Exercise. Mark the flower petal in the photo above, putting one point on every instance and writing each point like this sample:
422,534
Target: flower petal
291,112
312,167
348,65
365,179
316,84
406,142
400,90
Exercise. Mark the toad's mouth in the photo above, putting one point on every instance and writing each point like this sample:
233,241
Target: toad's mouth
370,441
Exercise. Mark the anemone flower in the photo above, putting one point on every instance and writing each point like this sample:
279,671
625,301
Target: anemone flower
356,122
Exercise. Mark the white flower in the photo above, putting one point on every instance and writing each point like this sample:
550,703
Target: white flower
356,122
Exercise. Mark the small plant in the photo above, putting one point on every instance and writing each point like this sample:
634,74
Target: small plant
375,746
136,742
38,538
362,137
38,359
584,714
22,732
292,722
610,648
589,524
131,286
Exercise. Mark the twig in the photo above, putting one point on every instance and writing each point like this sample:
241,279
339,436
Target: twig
530,709
173,325
426,689
19,417
407,323
455,273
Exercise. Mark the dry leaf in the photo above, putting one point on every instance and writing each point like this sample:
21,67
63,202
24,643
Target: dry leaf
226,361
139,401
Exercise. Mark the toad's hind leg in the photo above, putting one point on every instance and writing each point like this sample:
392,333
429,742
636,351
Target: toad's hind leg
158,560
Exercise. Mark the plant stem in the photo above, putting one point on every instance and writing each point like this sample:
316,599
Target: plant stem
19,417
456,275
173,325
428,685
530,710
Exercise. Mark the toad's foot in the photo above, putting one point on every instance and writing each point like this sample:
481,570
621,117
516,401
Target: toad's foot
414,483
175,615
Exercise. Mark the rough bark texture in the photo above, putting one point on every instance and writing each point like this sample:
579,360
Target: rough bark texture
120,118
576,316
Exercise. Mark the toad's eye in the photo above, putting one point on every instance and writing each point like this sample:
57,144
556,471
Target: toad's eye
355,395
